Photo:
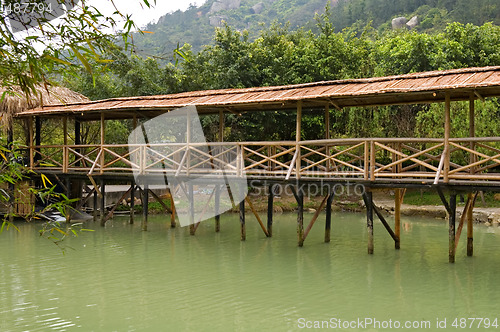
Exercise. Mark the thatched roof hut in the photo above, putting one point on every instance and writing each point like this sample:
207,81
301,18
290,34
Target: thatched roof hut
16,101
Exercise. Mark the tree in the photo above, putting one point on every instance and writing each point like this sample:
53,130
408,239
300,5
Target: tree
36,47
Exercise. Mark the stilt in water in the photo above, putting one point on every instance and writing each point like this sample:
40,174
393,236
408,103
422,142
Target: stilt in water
397,217
270,207
328,223
300,217
217,207
95,205
67,209
368,198
243,234
132,204
451,230
172,209
192,228
145,207
103,202
470,228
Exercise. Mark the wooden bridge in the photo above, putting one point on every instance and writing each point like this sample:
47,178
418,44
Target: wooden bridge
448,164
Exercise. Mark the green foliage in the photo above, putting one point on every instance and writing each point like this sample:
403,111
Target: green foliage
193,25
12,172
54,47
280,56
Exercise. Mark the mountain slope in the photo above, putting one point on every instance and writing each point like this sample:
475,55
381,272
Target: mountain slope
196,25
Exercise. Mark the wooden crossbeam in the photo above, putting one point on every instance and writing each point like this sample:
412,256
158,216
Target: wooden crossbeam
315,216
471,200
264,229
406,157
110,214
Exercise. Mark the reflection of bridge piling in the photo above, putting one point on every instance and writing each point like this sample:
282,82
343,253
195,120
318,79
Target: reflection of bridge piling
448,165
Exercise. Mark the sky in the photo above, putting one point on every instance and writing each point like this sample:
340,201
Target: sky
140,15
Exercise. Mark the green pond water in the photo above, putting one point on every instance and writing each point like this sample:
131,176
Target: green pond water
119,278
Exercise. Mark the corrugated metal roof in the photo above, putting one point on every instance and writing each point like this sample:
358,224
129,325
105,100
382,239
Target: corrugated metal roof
426,87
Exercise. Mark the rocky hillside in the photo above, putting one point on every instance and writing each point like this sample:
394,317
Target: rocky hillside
196,25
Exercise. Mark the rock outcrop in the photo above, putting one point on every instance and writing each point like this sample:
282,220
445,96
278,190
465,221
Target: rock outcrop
412,23
216,20
402,22
224,5
399,22
258,8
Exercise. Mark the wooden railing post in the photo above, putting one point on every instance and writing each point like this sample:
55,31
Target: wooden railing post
65,147
372,160
367,160
103,135
447,129
298,138
472,133
31,147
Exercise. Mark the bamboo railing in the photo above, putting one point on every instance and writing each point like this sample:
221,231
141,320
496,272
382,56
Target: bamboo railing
366,159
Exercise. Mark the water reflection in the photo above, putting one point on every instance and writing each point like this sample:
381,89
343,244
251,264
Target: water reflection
120,278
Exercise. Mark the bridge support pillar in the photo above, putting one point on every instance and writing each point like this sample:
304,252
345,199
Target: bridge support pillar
368,198
172,209
270,210
95,211
328,223
398,200
217,208
243,234
192,227
132,204
451,227
470,228
300,217
103,203
145,207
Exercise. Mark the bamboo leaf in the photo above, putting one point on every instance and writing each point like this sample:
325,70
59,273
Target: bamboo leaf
45,179
58,60
81,58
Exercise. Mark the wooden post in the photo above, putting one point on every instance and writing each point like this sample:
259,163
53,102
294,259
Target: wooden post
103,202
38,138
368,197
300,217
132,204
472,132
188,151
447,129
298,138
192,228
172,209
145,207
103,137
78,138
243,234
217,207
328,223
372,160
327,135
95,205
65,143
470,230
30,138
67,210
397,217
12,188
451,230
270,210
